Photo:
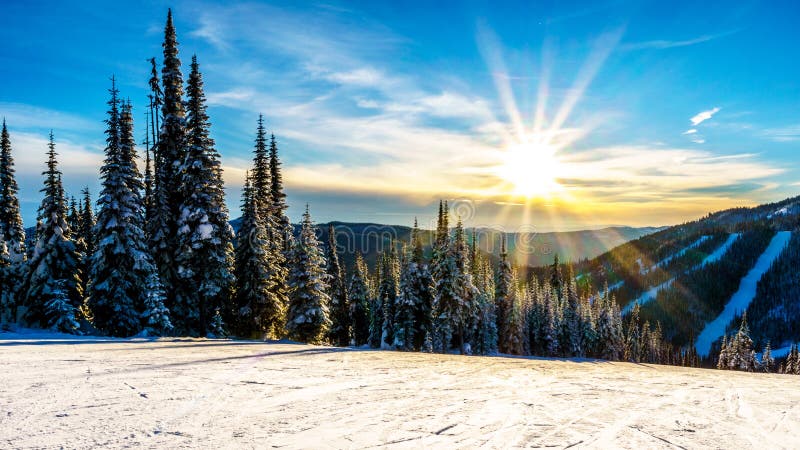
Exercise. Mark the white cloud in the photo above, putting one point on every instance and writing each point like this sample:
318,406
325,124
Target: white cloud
703,116
690,131
783,134
661,44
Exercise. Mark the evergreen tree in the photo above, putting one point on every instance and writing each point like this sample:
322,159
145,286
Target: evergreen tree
12,233
767,362
412,320
258,311
278,197
52,286
170,154
633,337
339,333
307,319
205,252
122,280
515,325
359,303
6,287
504,294
11,230
87,223
455,294
388,290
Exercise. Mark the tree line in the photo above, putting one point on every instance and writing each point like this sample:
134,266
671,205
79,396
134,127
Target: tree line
159,257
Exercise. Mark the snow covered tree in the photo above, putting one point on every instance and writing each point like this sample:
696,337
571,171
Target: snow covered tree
170,154
278,198
307,318
633,337
339,332
259,312
87,223
767,361
741,354
388,290
359,303
792,364
454,304
11,230
12,233
123,291
504,294
53,276
412,319
155,316
7,287
514,341
204,255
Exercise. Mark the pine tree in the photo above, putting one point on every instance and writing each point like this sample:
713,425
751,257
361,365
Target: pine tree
504,293
278,198
339,333
52,294
123,281
205,253
633,337
307,318
412,320
6,287
11,230
388,290
767,361
455,294
12,233
359,303
154,316
259,312
515,325
170,154
87,223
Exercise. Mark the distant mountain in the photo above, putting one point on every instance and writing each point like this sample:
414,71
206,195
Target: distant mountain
697,278
532,249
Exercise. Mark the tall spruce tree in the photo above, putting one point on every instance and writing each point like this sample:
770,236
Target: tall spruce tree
170,154
412,322
52,286
12,232
504,294
204,255
278,198
339,332
259,313
122,274
359,303
307,319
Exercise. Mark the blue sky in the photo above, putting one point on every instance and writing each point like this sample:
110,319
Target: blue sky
625,112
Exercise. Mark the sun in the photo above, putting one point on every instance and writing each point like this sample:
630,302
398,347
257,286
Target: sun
532,169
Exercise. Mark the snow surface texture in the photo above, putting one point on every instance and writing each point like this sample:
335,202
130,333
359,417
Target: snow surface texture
652,293
747,291
183,393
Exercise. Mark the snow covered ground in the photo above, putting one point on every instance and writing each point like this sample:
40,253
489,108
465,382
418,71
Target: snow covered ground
184,393
741,299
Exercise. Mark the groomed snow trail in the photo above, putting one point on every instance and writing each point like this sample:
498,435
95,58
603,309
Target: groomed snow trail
652,293
185,393
741,299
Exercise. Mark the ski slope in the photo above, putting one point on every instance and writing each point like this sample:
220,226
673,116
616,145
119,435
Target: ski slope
184,393
679,253
652,293
741,299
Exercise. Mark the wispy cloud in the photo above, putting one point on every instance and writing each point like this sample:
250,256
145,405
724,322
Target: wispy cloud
782,134
703,116
690,131
661,44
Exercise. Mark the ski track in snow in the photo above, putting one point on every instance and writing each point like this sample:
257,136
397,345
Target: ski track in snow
680,253
741,299
652,293
235,394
